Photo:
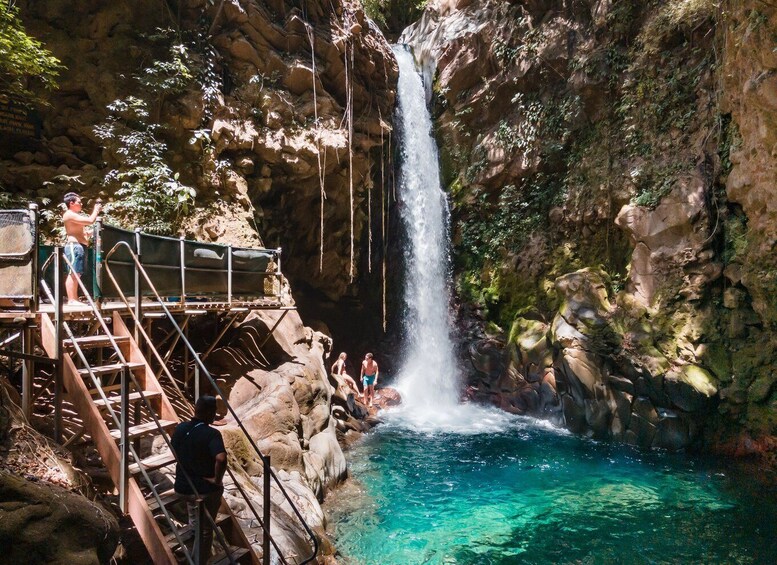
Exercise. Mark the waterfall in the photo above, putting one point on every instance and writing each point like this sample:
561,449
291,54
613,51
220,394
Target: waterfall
429,376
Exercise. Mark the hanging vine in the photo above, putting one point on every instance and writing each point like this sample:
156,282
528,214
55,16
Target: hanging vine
369,224
349,114
383,216
317,133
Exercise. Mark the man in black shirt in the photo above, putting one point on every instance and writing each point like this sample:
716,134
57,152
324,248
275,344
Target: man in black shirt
202,462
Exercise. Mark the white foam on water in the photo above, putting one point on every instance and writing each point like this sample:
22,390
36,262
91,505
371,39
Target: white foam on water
462,419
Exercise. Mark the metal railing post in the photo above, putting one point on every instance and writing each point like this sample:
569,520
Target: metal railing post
34,301
183,271
58,320
124,440
198,531
229,275
266,511
138,290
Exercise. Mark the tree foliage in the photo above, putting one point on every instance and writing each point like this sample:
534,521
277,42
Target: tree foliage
148,192
23,58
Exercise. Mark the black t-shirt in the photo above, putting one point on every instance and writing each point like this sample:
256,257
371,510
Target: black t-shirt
196,444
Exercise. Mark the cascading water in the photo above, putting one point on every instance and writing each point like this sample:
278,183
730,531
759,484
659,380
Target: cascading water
428,379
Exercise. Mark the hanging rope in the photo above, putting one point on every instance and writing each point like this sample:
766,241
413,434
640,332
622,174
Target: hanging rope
317,133
383,216
369,223
349,111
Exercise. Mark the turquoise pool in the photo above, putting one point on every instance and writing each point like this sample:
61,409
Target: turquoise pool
516,491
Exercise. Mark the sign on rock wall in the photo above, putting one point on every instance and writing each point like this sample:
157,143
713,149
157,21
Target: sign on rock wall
19,127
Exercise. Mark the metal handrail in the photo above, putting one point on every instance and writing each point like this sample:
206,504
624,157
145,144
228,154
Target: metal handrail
118,421
265,460
163,364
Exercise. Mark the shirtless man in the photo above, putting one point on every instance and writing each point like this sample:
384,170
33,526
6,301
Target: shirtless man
369,378
339,369
75,248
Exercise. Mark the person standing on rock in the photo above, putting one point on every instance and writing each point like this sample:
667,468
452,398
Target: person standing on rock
369,378
339,369
201,463
75,248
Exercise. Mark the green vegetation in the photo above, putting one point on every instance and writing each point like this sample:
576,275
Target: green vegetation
394,15
681,16
734,238
23,59
730,140
149,194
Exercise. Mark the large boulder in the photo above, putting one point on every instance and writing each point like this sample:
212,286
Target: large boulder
45,516
46,523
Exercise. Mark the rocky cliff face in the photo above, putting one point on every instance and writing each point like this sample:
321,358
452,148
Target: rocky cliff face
608,163
215,119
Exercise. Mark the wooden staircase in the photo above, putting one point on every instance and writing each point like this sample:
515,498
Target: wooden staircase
95,391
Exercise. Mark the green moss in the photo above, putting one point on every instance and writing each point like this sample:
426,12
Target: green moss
716,358
700,379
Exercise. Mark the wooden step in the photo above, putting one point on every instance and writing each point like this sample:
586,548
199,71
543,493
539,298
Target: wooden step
152,463
144,429
132,397
167,497
187,532
96,341
223,558
110,369
107,389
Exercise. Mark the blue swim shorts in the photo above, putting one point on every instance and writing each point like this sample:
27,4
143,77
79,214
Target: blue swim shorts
369,380
75,254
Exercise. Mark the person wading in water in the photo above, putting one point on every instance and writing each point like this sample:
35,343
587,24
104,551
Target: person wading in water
369,378
77,242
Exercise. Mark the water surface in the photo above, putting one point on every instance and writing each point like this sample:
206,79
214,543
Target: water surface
525,493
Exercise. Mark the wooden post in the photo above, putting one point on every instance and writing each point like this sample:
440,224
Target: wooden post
58,321
124,441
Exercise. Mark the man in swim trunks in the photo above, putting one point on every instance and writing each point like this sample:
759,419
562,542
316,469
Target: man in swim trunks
369,378
75,248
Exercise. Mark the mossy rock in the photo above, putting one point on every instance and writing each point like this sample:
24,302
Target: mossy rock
761,387
691,388
715,357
